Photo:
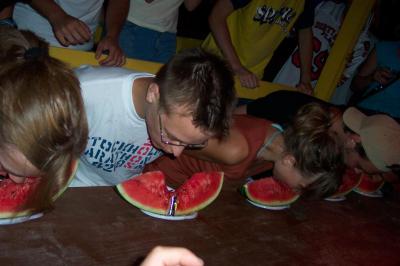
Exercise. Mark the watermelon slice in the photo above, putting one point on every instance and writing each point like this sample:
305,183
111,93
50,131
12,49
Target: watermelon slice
149,192
351,179
269,192
14,195
370,185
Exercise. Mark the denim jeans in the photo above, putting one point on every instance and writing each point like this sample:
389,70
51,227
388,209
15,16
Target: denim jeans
145,44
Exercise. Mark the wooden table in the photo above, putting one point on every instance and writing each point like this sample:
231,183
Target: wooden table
94,226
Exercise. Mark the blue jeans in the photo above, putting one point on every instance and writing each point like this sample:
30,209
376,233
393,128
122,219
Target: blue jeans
145,44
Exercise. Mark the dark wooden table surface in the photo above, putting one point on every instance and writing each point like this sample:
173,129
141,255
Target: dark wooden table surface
94,226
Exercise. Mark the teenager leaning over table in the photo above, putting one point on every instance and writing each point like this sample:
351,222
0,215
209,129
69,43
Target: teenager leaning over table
371,142
306,156
135,117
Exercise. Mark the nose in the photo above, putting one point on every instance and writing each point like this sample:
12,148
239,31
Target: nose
17,179
177,150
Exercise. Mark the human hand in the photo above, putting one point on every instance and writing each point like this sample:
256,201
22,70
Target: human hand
115,55
70,31
305,87
171,256
383,75
247,78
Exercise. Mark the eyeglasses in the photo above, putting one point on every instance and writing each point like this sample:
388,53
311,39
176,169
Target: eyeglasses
166,140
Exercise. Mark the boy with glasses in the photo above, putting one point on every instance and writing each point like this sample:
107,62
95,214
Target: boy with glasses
136,117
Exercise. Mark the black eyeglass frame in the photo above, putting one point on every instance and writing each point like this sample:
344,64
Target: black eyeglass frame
164,139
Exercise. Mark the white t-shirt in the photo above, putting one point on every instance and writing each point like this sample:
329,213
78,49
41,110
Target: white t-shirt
327,21
159,15
118,146
88,11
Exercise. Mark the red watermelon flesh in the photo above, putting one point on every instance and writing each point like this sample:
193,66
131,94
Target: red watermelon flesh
13,196
370,183
269,192
198,192
351,179
149,192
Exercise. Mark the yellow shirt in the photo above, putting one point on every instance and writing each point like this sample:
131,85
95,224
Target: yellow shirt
257,29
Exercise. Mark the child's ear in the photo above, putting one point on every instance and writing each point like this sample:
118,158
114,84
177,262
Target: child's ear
153,93
289,160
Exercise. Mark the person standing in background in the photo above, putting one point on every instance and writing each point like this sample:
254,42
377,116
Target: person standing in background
328,19
248,32
72,24
377,83
149,33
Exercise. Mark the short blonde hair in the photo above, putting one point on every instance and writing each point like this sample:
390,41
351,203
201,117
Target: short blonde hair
41,109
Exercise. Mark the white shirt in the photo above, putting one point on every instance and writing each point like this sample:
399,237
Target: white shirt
88,11
159,15
118,146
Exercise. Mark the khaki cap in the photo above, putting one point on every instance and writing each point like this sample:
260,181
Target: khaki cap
380,136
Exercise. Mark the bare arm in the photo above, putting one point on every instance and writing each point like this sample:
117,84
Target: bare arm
115,15
231,150
306,53
219,28
191,4
67,29
6,12
366,73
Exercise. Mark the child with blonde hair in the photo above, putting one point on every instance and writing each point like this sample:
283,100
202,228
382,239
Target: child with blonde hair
43,123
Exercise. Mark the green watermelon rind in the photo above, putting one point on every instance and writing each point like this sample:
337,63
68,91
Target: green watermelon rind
206,202
8,215
137,204
270,203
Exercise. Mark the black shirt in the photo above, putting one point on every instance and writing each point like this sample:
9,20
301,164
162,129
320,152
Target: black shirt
281,106
6,3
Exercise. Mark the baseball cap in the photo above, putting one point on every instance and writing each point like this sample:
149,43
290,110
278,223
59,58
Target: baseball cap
380,136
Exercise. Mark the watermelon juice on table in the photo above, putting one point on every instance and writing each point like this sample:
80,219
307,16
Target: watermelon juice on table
150,193
14,196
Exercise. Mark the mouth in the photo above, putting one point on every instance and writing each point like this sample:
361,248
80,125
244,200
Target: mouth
16,180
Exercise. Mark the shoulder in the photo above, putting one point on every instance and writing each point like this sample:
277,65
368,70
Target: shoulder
88,73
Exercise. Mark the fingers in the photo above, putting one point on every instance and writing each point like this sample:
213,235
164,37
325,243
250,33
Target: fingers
249,80
71,31
305,88
115,55
383,76
168,256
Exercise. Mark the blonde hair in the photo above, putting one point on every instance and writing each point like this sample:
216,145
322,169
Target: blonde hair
41,110
318,153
